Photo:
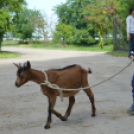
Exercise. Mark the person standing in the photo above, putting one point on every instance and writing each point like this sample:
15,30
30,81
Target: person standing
130,36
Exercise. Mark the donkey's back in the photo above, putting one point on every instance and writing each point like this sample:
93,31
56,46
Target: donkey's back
68,77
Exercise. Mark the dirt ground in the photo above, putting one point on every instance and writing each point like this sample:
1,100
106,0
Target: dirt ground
24,110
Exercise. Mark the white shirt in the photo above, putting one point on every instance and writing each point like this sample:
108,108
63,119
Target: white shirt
130,24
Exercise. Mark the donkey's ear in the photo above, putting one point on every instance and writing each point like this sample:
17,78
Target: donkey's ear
16,65
28,65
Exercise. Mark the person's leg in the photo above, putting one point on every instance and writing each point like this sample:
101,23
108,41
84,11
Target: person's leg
132,42
130,46
131,109
132,83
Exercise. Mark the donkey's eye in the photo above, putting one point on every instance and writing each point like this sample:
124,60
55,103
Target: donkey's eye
22,76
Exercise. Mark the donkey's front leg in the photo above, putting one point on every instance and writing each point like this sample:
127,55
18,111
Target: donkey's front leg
65,117
58,114
52,102
49,120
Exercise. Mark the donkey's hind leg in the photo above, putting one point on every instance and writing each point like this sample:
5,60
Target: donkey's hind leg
91,97
71,103
88,91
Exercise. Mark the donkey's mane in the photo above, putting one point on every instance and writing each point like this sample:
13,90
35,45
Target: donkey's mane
67,67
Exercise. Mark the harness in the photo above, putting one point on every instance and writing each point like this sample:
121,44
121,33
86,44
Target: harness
55,86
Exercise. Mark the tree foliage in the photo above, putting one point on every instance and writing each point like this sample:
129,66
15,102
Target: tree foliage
70,13
93,16
123,12
4,24
44,27
100,16
63,32
8,11
26,24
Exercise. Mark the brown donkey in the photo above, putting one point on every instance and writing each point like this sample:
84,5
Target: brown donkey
70,77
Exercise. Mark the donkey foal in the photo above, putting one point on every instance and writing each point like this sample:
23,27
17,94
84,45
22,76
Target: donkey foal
70,77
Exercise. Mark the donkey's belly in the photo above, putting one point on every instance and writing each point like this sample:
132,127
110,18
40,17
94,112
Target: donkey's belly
69,93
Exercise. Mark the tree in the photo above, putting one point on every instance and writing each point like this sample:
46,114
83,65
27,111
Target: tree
123,8
123,12
4,24
70,13
100,16
8,11
63,32
26,24
44,26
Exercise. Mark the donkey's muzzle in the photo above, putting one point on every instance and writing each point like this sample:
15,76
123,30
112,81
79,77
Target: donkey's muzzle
16,84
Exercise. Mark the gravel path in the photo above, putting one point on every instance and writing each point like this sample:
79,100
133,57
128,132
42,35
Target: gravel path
24,110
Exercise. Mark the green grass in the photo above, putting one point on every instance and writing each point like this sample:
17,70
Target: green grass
54,46
10,43
118,54
5,54
71,47
93,48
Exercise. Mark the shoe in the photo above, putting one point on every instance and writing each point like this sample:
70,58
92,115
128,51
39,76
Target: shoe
131,109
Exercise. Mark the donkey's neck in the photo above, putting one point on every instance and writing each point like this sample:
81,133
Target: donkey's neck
37,76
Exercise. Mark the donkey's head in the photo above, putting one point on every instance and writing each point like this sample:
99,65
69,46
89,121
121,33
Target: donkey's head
23,73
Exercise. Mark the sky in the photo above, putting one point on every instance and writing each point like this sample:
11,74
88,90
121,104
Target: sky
44,5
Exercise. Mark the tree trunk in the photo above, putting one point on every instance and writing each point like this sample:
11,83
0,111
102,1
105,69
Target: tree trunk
105,38
0,43
114,36
63,42
45,41
100,39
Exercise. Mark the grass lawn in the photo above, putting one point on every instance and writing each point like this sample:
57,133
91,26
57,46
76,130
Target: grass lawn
54,46
5,54
118,54
10,43
71,47
94,48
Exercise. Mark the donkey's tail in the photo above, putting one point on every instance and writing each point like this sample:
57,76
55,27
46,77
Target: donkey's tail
89,71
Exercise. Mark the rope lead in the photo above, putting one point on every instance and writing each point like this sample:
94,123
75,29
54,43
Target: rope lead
54,86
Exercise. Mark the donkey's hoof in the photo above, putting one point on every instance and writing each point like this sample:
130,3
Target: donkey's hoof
64,119
46,127
93,115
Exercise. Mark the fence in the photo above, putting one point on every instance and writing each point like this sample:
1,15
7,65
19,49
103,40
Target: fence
119,42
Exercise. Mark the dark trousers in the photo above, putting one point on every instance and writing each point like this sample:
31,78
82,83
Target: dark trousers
132,84
131,48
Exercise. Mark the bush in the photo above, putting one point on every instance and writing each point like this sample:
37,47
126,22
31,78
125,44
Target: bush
38,42
108,41
23,42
